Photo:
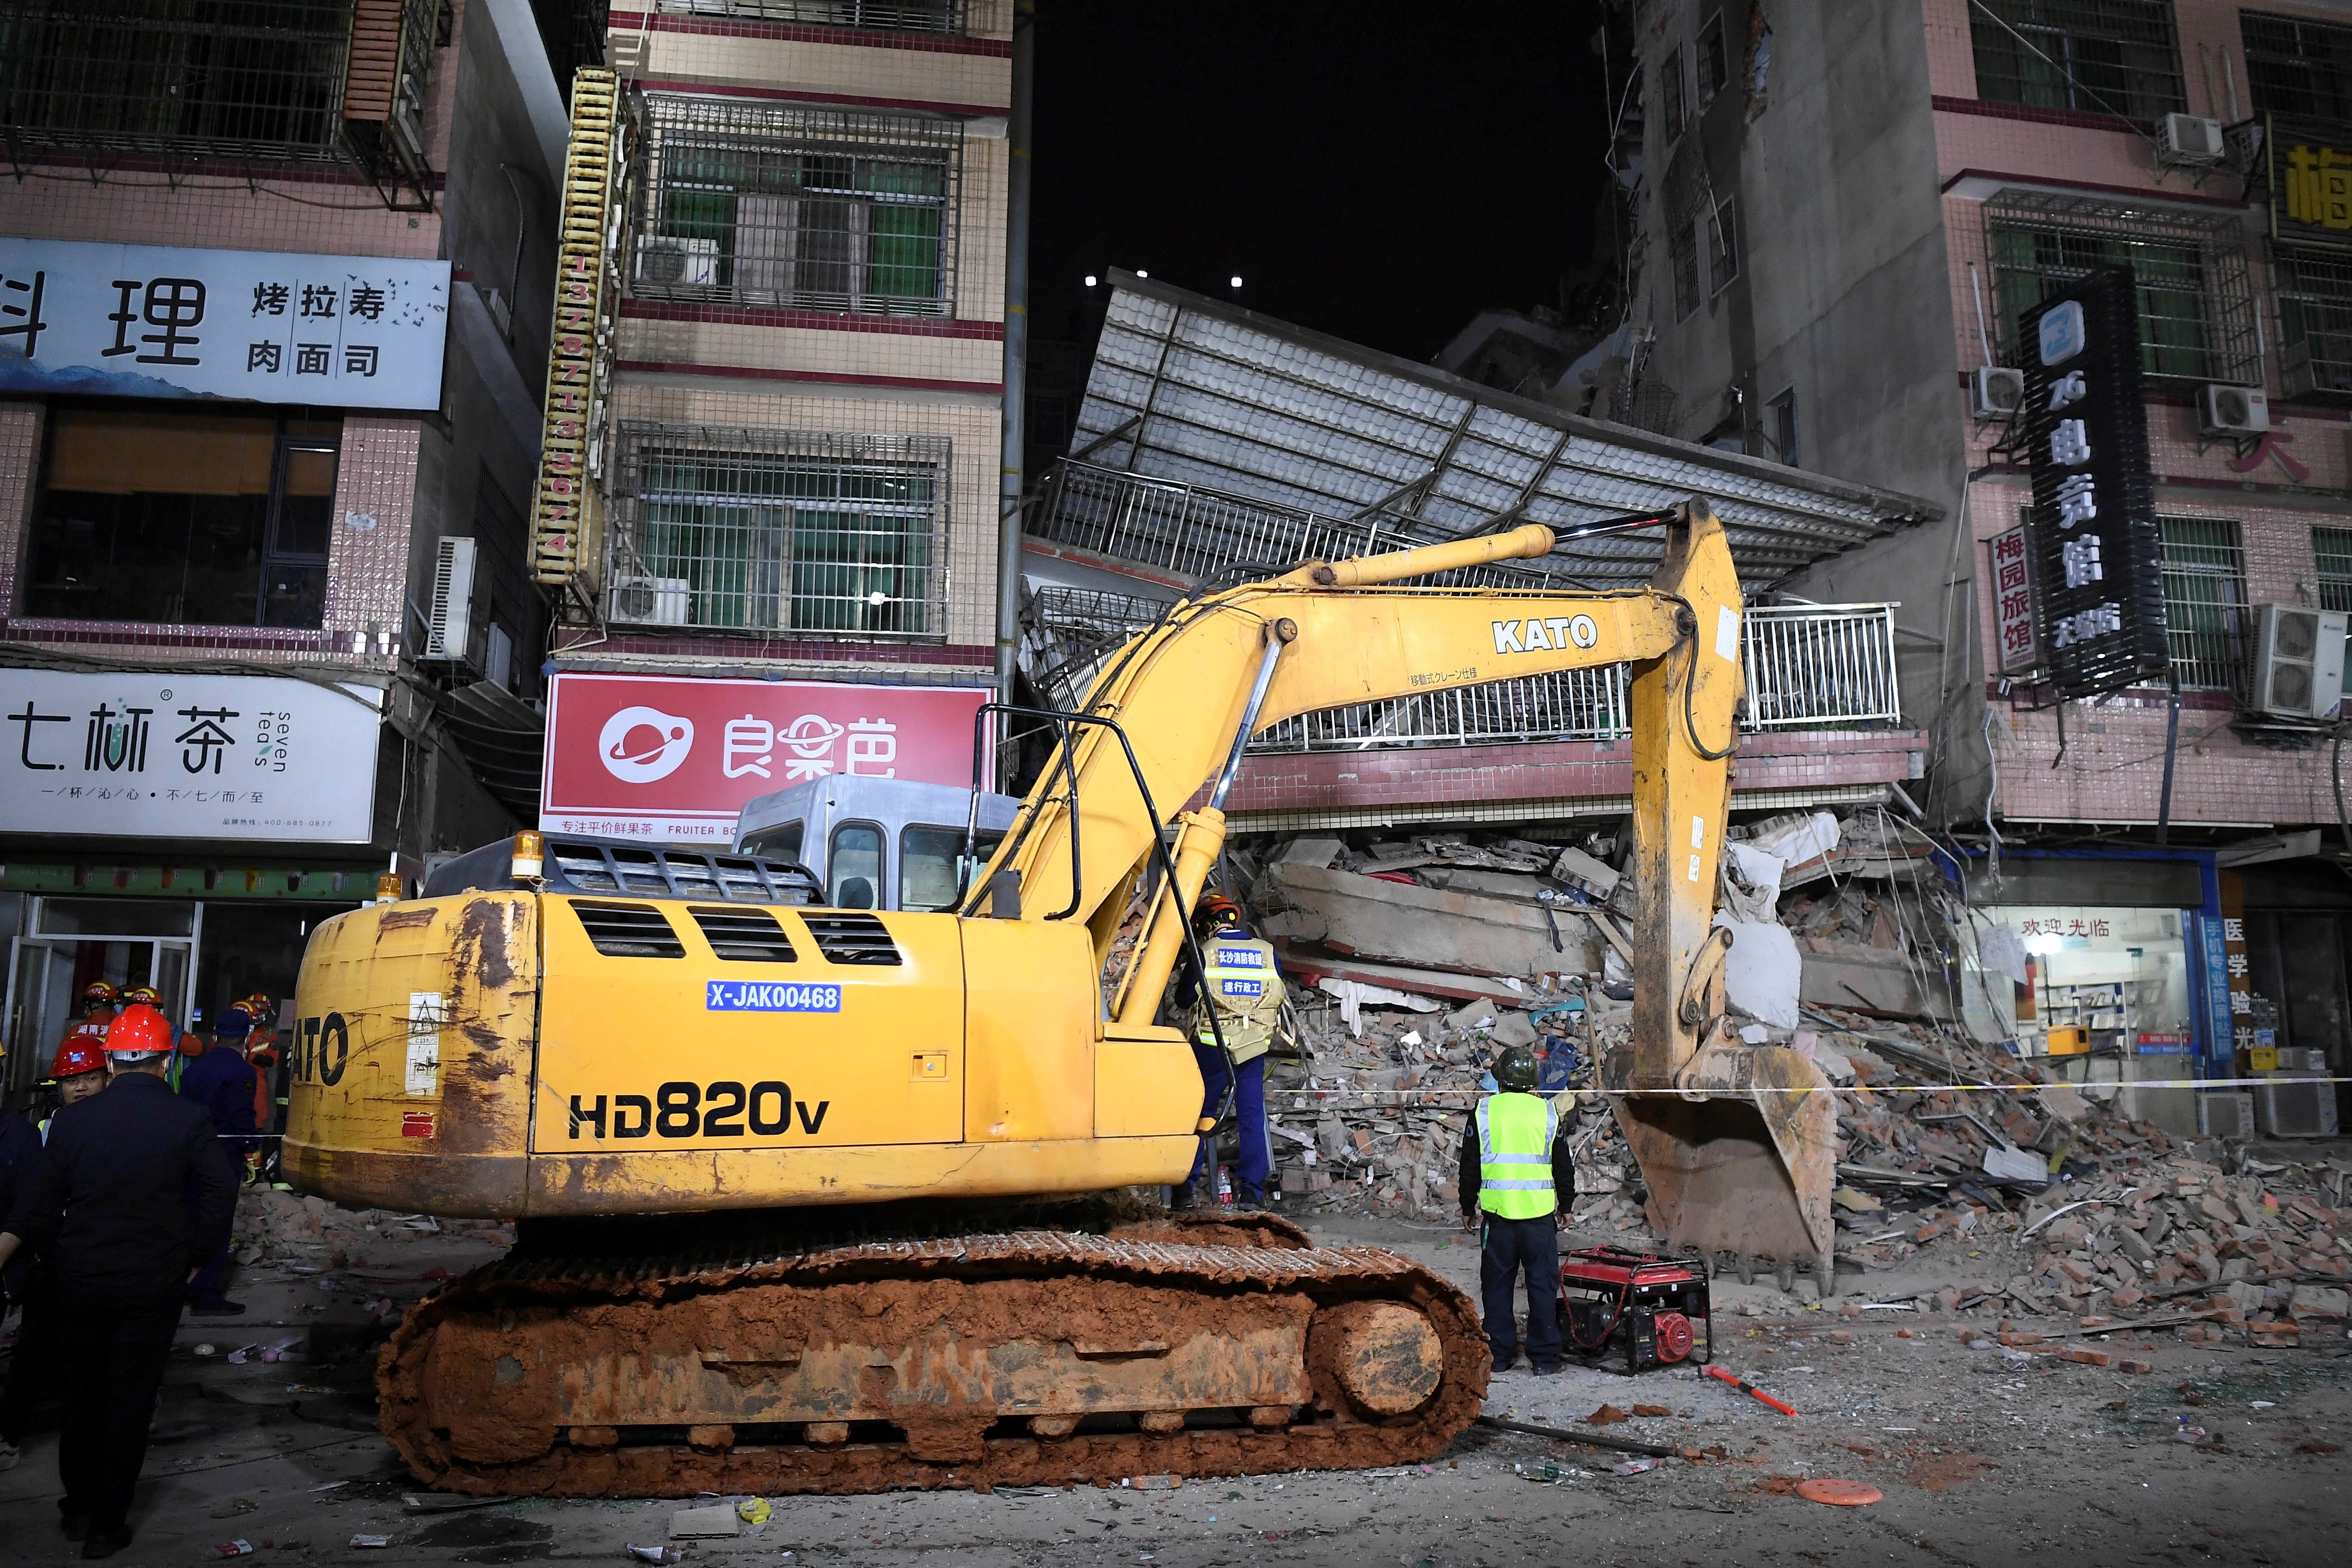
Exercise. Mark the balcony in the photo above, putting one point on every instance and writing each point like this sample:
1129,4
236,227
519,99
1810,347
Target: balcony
243,81
1809,667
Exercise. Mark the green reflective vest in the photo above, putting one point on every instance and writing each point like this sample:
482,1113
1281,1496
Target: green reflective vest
1246,990
1514,1137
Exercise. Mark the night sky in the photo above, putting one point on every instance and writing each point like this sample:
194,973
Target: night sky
1377,171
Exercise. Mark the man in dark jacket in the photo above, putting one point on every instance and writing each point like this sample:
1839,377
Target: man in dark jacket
109,1203
221,1080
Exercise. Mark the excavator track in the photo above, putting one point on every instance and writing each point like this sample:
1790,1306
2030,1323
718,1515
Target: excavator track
1180,1344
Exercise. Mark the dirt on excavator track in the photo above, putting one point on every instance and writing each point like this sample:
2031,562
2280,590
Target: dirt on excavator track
1189,1345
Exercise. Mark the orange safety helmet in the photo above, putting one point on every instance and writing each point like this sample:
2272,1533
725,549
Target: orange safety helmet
142,995
77,1056
97,991
1215,910
140,1029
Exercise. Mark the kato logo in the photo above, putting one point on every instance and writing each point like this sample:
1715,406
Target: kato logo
322,1048
722,1109
1545,636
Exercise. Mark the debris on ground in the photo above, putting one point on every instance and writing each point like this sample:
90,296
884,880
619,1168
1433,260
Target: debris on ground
1416,960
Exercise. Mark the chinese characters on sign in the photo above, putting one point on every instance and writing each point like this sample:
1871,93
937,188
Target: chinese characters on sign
2056,925
2318,187
675,759
132,321
2012,597
2092,559
181,756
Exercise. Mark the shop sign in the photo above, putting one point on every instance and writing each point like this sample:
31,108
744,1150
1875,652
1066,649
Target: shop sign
674,759
147,321
2012,601
187,756
2311,185
2170,1042
2096,561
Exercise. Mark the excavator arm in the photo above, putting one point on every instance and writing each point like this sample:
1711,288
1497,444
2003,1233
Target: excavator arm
1735,1142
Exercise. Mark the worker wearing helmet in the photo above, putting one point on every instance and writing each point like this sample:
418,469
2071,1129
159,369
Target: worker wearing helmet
1244,987
1517,1181
30,1282
131,1195
96,1012
261,1053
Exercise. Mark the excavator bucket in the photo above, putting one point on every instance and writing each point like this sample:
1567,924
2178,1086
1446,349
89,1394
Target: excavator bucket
1747,1168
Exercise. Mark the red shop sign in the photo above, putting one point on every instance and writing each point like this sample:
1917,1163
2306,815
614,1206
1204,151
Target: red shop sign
672,759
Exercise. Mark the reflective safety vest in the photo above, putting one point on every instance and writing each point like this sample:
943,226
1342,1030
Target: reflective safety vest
1246,990
1514,1137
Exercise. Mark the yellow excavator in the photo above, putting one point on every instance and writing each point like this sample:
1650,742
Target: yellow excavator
817,1199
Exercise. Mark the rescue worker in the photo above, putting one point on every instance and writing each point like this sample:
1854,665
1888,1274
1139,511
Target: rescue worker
79,1071
97,1011
108,1203
220,1079
1518,1180
262,1054
1244,986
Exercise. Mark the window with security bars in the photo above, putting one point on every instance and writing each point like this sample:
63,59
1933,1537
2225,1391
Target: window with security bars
257,78
2204,599
2196,294
2095,56
1682,256
2313,291
781,533
2332,550
2297,68
876,15
816,209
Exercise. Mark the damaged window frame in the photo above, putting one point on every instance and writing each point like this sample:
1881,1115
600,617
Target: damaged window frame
1723,246
1711,61
1681,263
1674,93
1781,426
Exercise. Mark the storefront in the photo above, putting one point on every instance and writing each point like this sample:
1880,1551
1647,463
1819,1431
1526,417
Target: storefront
2121,970
175,830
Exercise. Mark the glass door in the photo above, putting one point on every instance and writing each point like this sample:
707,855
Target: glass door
75,942
40,1002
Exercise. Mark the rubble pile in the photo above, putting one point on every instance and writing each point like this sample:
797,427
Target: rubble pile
274,1226
1964,1173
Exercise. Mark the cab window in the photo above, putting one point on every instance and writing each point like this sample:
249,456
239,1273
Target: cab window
931,866
854,867
781,842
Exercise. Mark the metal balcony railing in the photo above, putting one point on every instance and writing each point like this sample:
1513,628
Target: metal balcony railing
1178,528
1808,665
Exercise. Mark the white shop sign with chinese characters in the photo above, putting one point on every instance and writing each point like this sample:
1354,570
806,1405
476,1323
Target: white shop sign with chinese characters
152,755
144,320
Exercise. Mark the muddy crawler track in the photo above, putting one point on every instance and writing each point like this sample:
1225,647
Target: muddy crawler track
1244,1258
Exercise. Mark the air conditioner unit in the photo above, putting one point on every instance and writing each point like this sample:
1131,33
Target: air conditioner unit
450,626
2232,410
2226,1113
650,601
1996,392
2295,1109
2189,140
2298,668
678,263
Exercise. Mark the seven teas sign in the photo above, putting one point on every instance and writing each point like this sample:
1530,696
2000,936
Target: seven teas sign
2097,559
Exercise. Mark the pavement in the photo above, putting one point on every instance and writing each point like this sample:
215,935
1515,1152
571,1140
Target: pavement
1982,1456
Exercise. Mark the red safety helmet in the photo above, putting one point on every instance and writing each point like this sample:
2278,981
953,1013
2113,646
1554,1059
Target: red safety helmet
146,996
1215,910
77,1056
97,991
140,1029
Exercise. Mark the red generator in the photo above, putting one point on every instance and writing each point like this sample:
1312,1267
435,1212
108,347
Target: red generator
1647,1305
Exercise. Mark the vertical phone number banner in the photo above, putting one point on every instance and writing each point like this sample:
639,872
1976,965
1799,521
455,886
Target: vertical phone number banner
147,321
672,759
2097,558
187,756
